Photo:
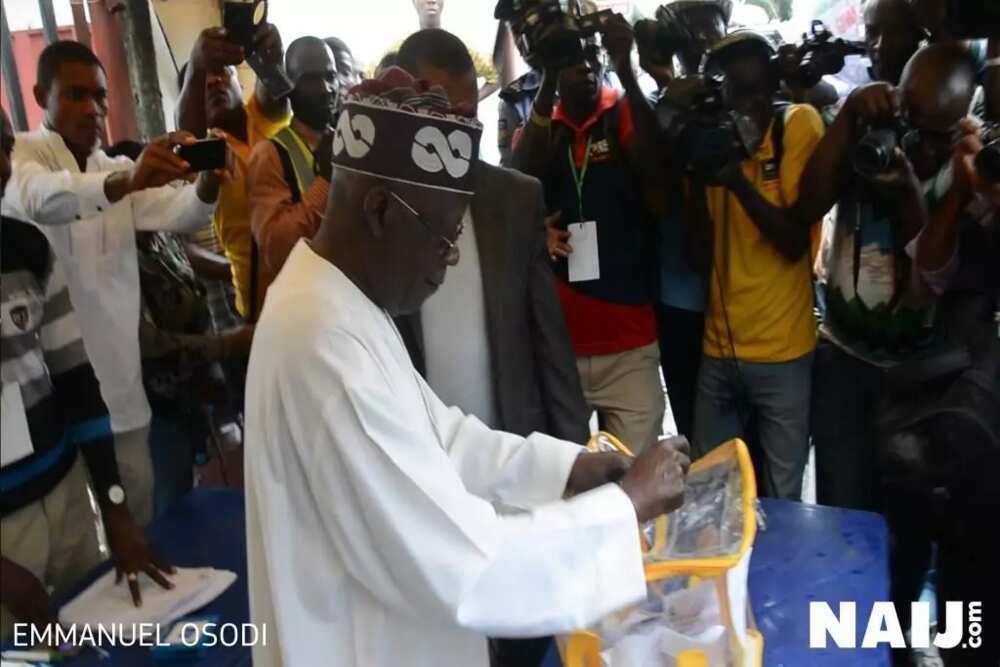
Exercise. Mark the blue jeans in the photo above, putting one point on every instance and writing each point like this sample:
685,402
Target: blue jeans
845,392
730,391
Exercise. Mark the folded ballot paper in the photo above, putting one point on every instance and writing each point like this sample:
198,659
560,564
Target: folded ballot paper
105,604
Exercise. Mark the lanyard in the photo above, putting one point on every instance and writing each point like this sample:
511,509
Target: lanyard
579,176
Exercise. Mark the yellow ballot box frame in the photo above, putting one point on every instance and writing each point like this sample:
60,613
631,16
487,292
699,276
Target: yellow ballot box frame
746,646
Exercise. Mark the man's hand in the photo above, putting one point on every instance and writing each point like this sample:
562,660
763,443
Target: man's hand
130,552
158,165
594,469
874,103
213,51
267,42
655,482
965,179
323,156
555,238
24,595
618,38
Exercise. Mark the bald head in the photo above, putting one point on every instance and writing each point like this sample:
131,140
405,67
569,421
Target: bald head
936,89
306,53
310,65
938,84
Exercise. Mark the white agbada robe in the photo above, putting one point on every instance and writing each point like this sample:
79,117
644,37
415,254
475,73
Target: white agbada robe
371,537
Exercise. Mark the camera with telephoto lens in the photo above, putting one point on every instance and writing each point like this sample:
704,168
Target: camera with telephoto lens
818,55
551,32
704,134
875,153
988,159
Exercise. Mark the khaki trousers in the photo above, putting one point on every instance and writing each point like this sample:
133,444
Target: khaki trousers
54,538
625,390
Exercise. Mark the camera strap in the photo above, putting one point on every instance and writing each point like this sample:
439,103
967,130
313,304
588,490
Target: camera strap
578,177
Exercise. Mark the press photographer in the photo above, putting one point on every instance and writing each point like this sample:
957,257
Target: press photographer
592,152
886,149
747,158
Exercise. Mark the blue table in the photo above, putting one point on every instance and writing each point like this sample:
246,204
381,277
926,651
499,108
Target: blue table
205,528
808,553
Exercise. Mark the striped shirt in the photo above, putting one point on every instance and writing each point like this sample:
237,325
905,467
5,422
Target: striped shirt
43,354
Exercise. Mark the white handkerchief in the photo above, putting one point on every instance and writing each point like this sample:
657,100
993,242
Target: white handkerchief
106,603
584,263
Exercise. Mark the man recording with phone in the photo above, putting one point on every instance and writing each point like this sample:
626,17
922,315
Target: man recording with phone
593,152
289,176
760,330
90,206
211,97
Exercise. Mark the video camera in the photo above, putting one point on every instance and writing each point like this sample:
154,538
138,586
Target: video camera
551,32
818,55
704,134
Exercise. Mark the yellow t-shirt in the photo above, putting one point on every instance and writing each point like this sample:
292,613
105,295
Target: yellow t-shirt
767,301
232,215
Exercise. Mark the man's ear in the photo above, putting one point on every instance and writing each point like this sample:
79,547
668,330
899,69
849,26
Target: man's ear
375,207
41,96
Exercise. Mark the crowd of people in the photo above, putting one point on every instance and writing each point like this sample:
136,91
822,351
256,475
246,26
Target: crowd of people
431,334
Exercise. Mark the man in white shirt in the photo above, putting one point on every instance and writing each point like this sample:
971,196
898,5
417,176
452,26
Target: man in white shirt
90,207
372,537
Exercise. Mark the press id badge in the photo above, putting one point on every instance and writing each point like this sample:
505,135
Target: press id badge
584,263
16,443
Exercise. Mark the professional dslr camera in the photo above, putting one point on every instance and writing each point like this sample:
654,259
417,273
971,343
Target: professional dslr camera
874,154
551,32
704,134
818,55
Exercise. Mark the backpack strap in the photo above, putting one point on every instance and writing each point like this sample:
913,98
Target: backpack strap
288,170
299,155
778,132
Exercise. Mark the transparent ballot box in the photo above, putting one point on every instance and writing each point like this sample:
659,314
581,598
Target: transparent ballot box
696,613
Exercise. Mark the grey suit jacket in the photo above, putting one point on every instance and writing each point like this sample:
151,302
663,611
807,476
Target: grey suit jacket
535,378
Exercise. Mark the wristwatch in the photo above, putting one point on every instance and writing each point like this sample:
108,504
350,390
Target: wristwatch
116,494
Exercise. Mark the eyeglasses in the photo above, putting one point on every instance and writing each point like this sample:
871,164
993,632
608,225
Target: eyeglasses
448,248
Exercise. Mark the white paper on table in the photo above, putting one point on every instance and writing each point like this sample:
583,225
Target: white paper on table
104,602
584,262
16,443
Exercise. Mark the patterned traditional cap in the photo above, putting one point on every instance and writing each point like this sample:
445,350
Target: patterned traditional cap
403,129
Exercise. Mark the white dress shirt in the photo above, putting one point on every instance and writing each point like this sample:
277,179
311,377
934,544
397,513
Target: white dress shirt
456,344
95,241
371,537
